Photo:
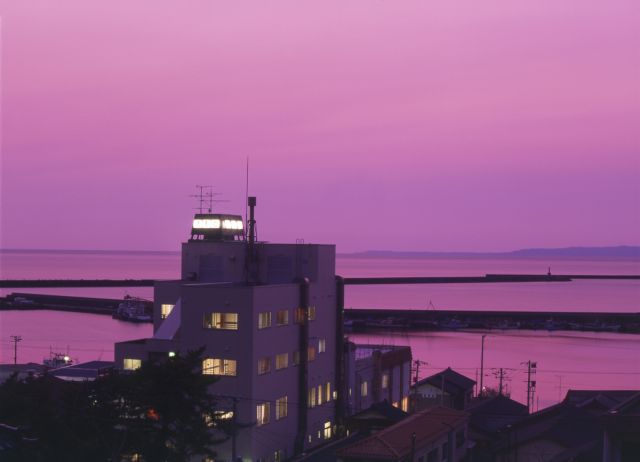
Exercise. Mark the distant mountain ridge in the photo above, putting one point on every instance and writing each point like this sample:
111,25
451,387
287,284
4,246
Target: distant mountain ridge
622,251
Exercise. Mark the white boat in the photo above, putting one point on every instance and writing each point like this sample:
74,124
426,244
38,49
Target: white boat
133,309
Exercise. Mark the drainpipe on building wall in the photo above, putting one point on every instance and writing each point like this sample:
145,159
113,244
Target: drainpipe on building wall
339,380
303,372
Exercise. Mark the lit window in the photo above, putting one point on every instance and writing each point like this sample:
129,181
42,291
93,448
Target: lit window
131,364
404,405
327,390
264,365
311,314
319,395
282,361
385,381
312,397
199,223
311,353
217,366
281,407
264,320
322,345
226,321
364,391
327,430
262,413
279,455
165,310
282,317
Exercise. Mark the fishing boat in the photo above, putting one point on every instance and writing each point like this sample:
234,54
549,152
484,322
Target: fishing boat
133,309
56,360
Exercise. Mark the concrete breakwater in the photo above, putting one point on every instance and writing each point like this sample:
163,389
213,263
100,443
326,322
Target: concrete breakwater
25,301
489,278
374,319
358,320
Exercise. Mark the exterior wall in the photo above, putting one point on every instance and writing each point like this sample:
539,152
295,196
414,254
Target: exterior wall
372,369
450,442
534,451
429,395
248,344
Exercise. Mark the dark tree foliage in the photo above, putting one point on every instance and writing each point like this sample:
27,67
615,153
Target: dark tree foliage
156,413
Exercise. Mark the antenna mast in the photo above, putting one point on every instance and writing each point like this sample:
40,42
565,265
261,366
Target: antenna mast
205,197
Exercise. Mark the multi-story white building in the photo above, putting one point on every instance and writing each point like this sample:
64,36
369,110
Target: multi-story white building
269,319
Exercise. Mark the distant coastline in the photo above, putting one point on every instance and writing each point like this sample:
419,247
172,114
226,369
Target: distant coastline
625,252
617,252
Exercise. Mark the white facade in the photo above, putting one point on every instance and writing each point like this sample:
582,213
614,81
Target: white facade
253,334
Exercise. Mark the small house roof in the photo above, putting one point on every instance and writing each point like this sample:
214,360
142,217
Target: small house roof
454,382
394,442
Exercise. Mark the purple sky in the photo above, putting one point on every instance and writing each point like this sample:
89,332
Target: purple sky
414,125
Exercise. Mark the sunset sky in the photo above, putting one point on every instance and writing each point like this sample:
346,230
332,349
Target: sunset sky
405,125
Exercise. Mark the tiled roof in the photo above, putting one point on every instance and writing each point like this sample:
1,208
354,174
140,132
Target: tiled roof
453,381
395,442
381,410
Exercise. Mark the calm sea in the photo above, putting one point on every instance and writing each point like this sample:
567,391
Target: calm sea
565,359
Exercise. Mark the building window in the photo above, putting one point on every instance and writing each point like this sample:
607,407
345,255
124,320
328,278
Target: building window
327,430
385,380
131,364
282,361
281,408
311,314
165,310
312,397
311,353
327,392
262,413
445,451
364,389
264,320
217,366
282,317
296,358
322,345
319,395
279,455
404,404
264,365
226,321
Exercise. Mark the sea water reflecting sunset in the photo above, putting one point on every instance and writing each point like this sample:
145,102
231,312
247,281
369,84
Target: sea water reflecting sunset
565,359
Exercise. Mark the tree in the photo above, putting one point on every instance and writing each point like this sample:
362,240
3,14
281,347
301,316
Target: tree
157,412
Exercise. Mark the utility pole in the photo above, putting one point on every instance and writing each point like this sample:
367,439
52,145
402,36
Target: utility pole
481,391
531,383
416,377
15,339
501,377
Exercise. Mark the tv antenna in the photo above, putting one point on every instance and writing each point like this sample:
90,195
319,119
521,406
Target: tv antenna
205,198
